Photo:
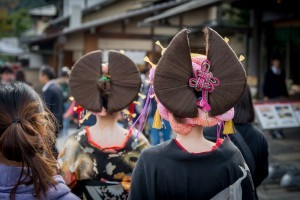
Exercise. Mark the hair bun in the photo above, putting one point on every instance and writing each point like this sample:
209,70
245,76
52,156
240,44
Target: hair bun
172,75
226,66
175,69
122,88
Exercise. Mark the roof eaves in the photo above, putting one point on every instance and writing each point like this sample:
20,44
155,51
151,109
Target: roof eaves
85,11
191,5
121,16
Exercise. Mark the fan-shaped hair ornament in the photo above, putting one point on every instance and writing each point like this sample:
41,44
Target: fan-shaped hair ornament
175,70
84,79
123,82
172,75
225,66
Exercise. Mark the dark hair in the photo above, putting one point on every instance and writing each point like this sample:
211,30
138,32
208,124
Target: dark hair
26,133
113,91
65,72
175,69
7,70
20,76
275,58
244,111
46,71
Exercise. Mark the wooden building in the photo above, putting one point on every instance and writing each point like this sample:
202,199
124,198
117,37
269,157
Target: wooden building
256,30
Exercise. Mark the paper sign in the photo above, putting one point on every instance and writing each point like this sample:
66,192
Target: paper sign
279,115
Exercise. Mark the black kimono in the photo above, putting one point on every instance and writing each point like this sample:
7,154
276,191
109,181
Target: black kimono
257,145
166,172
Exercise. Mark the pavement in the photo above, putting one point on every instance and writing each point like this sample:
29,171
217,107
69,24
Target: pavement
284,151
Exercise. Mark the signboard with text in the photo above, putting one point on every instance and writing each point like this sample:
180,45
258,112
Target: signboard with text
278,115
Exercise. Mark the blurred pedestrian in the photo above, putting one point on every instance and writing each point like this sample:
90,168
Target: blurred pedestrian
189,166
7,75
21,77
166,130
249,139
274,88
97,161
27,167
63,82
275,82
52,94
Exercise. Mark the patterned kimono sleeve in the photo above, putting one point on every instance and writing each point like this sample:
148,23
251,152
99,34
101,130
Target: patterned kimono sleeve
142,143
68,161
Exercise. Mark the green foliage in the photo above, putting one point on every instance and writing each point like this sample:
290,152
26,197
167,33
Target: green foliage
235,16
14,24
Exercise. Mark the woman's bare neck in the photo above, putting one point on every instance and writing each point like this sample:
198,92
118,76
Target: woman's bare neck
194,141
106,132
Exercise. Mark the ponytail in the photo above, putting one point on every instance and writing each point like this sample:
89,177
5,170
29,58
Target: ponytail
27,140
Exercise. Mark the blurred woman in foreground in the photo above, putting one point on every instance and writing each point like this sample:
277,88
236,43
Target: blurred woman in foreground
27,167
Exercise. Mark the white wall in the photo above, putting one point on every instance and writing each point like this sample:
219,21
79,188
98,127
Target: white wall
125,44
68,4
35,60
136,56
93,2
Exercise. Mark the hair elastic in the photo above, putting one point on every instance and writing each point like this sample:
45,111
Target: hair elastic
17,120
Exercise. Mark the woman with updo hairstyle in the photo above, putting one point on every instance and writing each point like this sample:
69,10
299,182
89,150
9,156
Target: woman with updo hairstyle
97,161
194,91
28,169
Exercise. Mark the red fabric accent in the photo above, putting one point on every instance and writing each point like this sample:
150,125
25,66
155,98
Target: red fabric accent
79,110
106,149
218,143
131,110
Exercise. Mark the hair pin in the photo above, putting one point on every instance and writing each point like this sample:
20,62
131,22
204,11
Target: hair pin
146,59
163,49
226,39
142,96
85,117
127,112
137,103
241,58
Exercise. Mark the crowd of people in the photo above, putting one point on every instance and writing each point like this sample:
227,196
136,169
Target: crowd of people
194,96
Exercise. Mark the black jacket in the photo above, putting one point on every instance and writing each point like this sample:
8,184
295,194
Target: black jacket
274,85
54,100
257,144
